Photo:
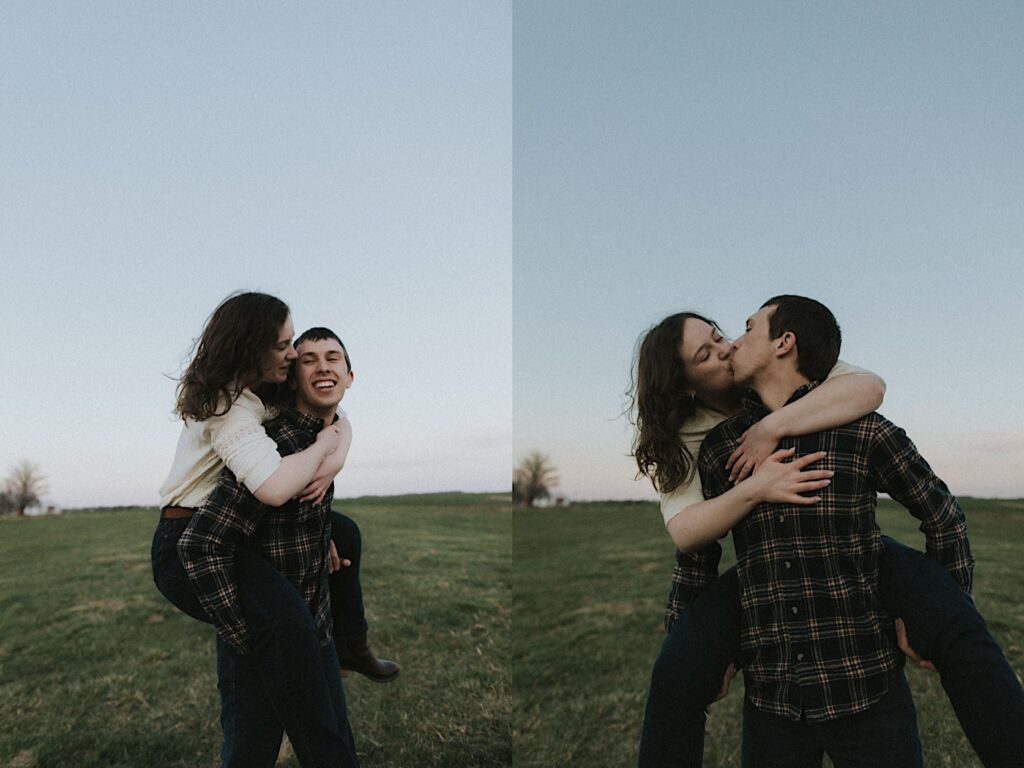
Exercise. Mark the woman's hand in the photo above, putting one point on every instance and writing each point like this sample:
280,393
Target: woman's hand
317,488
783,482
340,435
329,438
754,448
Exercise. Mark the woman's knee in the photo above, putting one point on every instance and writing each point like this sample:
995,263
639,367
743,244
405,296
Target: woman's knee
268,598
913,583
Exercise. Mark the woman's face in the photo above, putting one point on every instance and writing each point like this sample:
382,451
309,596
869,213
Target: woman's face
277,358
705,353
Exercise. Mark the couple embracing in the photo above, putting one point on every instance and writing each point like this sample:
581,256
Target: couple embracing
773,438
247,540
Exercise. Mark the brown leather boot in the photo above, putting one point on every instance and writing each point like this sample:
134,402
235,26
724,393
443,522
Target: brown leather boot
354,654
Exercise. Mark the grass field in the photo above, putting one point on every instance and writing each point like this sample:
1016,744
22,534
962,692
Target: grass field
588,594
97,669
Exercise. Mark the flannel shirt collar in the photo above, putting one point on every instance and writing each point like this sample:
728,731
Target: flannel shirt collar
302,421
753,406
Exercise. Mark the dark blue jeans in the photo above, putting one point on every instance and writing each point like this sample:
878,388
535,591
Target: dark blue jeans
943,626
347,612
688,674
301,697
884,736
291,683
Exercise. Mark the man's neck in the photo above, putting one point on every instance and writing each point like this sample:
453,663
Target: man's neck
777,388
727,404
324,414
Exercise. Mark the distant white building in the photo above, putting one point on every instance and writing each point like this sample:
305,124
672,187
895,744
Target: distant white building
45,508
554,500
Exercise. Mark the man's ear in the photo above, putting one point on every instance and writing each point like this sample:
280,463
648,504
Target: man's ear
785,344
351,378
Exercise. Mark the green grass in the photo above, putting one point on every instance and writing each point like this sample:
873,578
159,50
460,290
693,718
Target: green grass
97,669
588,594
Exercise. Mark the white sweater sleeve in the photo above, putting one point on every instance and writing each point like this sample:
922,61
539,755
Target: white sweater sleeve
845,369
681,498
692,435
239,439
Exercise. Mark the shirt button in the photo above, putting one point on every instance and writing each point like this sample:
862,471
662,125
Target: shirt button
788,565
799,657
794,610
782,518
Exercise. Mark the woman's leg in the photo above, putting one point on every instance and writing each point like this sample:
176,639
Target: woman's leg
168,572
688,675
944,627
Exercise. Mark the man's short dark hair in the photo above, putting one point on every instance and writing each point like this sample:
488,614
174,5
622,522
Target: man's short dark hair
319,334
818,337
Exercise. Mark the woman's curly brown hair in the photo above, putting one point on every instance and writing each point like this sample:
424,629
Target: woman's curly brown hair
661,406
227,357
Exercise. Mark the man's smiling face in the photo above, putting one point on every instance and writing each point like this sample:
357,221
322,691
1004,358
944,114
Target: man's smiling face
321,376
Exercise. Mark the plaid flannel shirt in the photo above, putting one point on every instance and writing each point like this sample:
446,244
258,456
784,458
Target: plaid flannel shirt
816,642
293,538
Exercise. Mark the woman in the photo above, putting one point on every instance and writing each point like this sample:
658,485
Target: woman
240,362
683,389
236,375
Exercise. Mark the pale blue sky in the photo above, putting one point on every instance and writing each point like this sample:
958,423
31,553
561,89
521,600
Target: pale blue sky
353,159
358,161
673,156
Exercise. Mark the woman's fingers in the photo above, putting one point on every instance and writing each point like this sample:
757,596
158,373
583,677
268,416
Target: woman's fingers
737,451
747,464
782,453
734,457
811,485
810,458
314,493
745,471
816,474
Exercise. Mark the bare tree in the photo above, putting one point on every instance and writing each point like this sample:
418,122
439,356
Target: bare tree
24,486
6,507
533,479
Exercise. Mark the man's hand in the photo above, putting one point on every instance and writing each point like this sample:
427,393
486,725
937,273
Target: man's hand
730,673
334,560
910,653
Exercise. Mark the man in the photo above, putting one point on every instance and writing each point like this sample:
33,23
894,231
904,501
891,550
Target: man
822,668
277,665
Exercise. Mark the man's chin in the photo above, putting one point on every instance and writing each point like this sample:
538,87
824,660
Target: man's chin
331,404
741,380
